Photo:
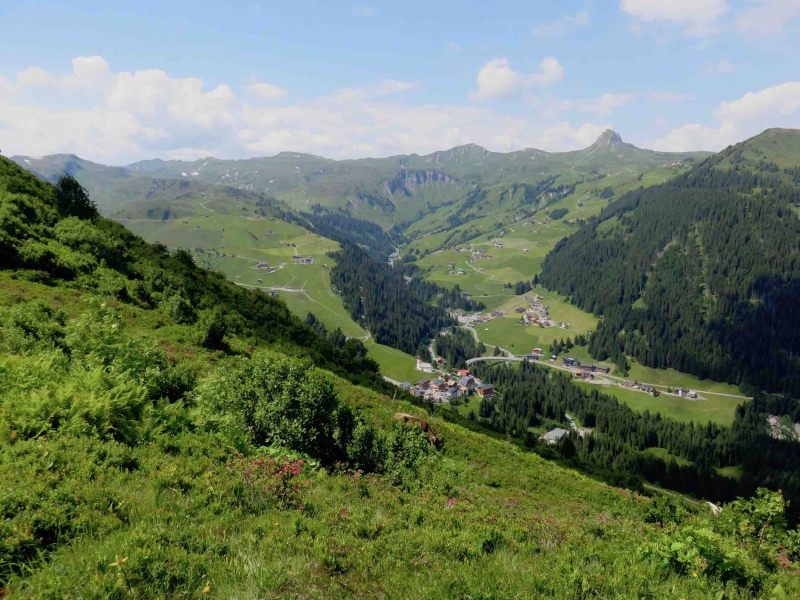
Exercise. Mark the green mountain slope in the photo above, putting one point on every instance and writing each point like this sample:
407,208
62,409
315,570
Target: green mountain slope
701,273
385,190
146,455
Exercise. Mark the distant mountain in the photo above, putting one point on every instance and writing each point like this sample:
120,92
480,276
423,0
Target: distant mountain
385,190
700,273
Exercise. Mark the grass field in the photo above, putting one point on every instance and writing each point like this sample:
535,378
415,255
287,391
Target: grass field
673,378
233,244
395,364
717,409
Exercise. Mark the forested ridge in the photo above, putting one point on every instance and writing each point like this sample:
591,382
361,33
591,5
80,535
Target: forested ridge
531,395
700,274
400,313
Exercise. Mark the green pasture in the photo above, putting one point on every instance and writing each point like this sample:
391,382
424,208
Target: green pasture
717,409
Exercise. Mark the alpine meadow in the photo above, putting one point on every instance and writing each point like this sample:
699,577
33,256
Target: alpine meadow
333,300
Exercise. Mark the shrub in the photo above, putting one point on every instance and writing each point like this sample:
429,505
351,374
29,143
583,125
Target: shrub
178,307
274,399
665,509
407,448
367,450
692,550
29,324
211,328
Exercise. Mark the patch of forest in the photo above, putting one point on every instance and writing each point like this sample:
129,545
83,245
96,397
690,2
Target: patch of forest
711,261
531,395
398,309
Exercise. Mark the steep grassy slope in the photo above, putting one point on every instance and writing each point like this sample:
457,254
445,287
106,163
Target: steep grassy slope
165,434
700,273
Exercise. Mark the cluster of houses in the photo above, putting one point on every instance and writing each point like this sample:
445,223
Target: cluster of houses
537,314
584,372
263,266
303,260
448,387
466,319
480,254
641,387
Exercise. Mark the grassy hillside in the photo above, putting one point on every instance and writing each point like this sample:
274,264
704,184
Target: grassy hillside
165,433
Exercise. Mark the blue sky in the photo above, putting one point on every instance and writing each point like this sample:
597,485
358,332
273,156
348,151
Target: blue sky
190,79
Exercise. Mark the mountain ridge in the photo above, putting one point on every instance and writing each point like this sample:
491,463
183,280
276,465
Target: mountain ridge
386,190
609,138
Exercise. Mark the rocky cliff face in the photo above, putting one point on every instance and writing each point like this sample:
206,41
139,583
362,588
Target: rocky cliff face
407,182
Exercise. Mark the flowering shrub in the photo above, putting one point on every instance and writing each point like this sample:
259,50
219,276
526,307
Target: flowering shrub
266,482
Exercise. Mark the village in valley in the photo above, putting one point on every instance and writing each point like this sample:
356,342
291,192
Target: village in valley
536,314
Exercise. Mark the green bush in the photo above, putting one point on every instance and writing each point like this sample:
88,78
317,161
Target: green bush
274,399
407,448
367,450
210,329
665,510
691,551
178,307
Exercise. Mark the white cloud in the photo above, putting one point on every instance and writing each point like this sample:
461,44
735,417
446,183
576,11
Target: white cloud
496,79
87,71
776,106
562,25
268,91
564,136
695,17
767,17
124,116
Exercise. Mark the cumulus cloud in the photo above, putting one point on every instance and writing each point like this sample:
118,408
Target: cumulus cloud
695,17
268,91
562,25
496,79
124,116
767,17
776,106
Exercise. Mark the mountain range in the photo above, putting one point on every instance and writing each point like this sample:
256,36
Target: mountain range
385,190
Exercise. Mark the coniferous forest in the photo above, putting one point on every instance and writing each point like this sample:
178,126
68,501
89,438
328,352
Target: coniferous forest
532,395
700,274
457,346
399,310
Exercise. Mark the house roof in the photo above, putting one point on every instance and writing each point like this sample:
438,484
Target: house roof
465,380
422,381
437,381
486,386
555,434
